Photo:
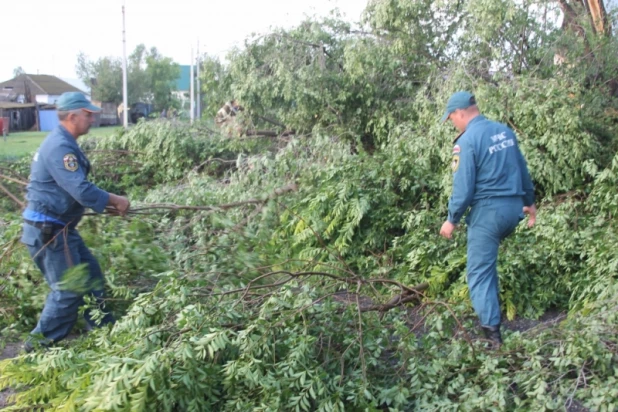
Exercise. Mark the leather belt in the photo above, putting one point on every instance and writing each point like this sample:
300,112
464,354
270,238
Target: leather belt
39,225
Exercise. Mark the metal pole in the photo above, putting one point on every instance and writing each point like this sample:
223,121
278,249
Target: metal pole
125,120
192,88
199,92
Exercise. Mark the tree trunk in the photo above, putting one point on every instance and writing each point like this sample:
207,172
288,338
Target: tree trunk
598,16
573,11
595,9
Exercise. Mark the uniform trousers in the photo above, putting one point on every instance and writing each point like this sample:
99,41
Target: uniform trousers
66,250
489,222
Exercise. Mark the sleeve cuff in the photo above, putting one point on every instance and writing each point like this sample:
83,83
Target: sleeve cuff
529,200
101,202
452,219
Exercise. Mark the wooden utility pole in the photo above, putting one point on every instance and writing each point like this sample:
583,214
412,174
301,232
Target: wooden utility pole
191,88
197,66
125,115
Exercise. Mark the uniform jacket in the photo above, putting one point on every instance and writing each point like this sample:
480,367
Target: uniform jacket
59,189
487,163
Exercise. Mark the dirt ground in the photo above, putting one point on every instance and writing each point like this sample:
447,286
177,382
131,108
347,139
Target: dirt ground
10,351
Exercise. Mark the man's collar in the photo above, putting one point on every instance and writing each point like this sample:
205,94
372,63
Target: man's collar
476,119
65,132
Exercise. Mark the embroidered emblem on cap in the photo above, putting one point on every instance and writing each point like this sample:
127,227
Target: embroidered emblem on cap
455,164
70,162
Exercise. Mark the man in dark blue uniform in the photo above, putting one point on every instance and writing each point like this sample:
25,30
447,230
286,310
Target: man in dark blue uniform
58,193
490,175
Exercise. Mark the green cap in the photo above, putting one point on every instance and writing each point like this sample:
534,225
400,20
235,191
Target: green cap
459,100
74,101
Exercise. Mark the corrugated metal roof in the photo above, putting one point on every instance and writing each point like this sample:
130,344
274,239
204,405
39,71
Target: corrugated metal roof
38,84
12,105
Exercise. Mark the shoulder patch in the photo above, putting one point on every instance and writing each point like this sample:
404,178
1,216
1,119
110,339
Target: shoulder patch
455,164
70,162
456,149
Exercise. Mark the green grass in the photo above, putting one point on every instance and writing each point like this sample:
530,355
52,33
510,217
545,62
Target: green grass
24,143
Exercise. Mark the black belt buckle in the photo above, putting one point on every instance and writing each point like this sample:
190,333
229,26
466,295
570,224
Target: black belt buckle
47,231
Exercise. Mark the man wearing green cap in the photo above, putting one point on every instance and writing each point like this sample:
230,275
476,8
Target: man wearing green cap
58,193
490,175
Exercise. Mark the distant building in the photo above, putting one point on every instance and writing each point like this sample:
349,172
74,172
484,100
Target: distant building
183,83
81,86
18,117
31,88
27,102
182,87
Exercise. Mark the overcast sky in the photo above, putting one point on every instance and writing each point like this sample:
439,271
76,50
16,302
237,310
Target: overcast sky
45,36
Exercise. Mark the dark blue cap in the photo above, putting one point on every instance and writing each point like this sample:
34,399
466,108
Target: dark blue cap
75,101
459,100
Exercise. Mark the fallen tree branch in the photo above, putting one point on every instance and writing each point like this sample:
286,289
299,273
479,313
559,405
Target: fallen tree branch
360,333
269,133
271,121
113,151
196,168
149,209
10,179
12,196
409,294
277,192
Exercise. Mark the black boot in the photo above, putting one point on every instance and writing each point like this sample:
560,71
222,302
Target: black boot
493,334
31,345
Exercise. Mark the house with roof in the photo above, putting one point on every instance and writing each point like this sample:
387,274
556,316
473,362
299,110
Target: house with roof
35,88
27,101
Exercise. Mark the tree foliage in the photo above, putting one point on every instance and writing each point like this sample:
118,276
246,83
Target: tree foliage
215,83
150,77
104,77
18,71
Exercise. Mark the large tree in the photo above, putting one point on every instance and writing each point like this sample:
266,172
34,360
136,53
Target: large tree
150,77
594,10
18,71
216,84
161,72
103,76
587,26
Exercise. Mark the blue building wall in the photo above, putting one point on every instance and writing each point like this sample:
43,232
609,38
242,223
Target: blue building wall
183,83
48,119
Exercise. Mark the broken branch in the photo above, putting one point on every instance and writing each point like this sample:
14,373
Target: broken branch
12,196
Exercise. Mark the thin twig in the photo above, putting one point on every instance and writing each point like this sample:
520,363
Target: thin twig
114,151
360,334
277,192
196,168
12,196
10,179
